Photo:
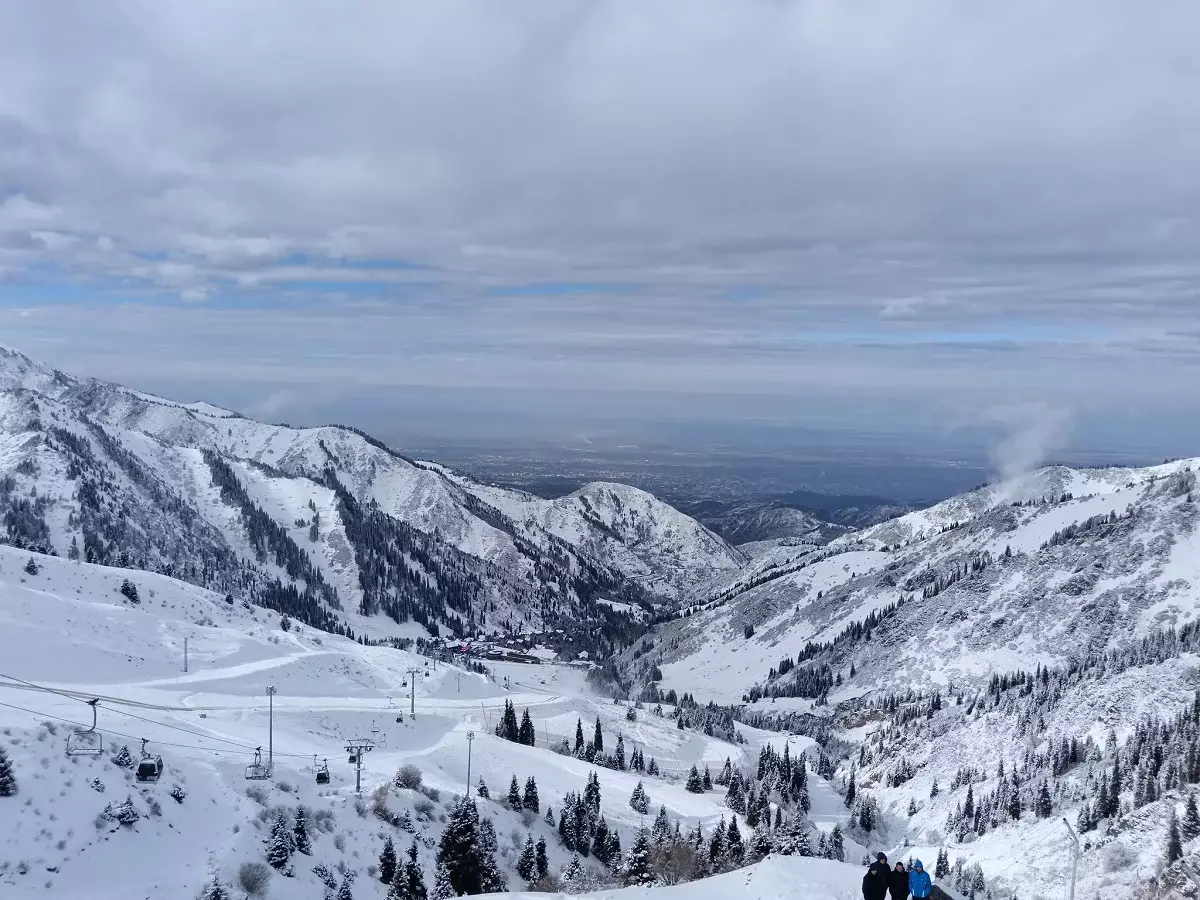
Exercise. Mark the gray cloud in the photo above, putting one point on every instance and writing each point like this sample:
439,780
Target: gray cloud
962,205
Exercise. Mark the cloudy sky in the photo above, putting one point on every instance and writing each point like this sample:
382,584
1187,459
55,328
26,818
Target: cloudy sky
572,218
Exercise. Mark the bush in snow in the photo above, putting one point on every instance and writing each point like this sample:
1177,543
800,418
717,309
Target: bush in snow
124,758
408,776
258,794
124,812
215,890
8,778
129,589
96,785
31,567
177,793
253,878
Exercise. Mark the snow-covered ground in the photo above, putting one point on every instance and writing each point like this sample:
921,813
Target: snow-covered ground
68,634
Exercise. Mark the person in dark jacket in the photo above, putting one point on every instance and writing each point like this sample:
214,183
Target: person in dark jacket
898,883
877,880
919,883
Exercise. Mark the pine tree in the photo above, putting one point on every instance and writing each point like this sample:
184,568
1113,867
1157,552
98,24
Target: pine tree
443,887
734,798
851,791
482,790
716,844
933,791
639,802
942,868
695,784
1044,808
530,799
637,865
461,849
600,840
549,817
572,875
598,740
912,808
527,864
619,753
8,778
661,829
578,736
969,804
1191,819
1174,842
414,877
526,734
215,890
279,845
387,862
543,864
1114,792
300,832
31,567
129,589
735,851
514,794
652,769
837,845
707,779
490,878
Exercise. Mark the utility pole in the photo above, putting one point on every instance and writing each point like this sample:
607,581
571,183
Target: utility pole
356,749
1074,858
470,741
271,728
185,654
412,687
458,675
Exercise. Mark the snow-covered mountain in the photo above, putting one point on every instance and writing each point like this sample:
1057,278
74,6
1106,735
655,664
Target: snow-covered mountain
325,523
975,637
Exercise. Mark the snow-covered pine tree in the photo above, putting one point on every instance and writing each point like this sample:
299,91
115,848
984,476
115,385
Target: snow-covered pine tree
735,851
1174,849
761,844
734,798
281,843
661,829
215,889
526,734
482,790
549,817
461,849
387,862
572,875
530,800
543,864
443,888
707,782
639,802
619,753
527,864
942,868
300,837
413,876
491,879
8,778
851,791
1191,819
695,784
598,740
716,845
1044,808
652,769
637,865
578,736
514,794
837,847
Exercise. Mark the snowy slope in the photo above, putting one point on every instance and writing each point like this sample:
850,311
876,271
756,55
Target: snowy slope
67,633
136,473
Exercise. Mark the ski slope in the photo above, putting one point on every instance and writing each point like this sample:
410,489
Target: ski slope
68,634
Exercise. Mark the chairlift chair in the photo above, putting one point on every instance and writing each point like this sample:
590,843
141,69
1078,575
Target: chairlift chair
149,768
323,773
258,770
86,741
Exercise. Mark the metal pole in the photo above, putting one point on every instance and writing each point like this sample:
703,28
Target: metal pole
1074,858
470,741
412,697
271,729
185,640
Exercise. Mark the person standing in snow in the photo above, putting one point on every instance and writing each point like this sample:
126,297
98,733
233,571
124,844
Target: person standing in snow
919,883
877,880
898,883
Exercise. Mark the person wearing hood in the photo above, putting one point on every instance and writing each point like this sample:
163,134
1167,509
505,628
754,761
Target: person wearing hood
898,883
877,880
919,883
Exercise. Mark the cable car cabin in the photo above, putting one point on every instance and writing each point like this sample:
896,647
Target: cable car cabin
150,769
353,760
257,770
323,774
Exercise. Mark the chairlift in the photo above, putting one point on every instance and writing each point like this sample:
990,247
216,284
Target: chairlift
258,770
322,772
400,718
150,768
86,741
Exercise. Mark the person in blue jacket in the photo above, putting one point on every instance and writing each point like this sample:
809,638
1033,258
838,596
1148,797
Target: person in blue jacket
919,883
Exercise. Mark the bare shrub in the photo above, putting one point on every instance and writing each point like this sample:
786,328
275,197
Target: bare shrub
258,794
409,776
253,878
